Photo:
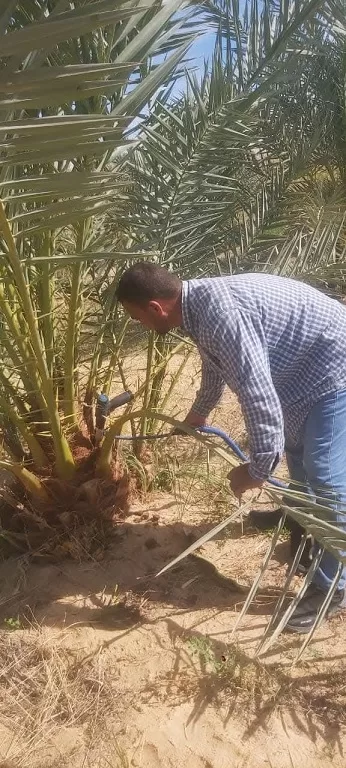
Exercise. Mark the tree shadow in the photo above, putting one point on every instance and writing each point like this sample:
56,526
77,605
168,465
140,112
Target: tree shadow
223,676
121,593
87,592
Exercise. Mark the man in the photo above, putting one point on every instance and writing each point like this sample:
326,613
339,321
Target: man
280,345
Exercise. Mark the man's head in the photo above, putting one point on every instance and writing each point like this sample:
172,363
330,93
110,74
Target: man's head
151,295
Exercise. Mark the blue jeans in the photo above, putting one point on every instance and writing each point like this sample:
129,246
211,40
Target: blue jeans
319,464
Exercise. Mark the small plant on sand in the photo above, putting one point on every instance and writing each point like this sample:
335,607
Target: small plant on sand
12,623
233,673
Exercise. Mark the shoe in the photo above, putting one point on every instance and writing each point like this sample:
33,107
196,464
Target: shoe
296,533
307,609
265,521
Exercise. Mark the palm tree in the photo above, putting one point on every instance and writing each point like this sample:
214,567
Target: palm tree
252,153
73,79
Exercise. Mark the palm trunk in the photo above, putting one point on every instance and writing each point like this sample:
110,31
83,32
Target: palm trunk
63,456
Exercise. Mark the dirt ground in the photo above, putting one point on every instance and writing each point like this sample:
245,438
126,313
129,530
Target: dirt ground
174,689
106,666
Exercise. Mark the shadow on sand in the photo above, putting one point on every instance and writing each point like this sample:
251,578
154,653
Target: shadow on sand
121,593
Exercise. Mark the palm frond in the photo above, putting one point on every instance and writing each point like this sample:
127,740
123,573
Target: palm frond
217,168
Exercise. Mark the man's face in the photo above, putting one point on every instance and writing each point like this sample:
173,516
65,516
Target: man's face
154,316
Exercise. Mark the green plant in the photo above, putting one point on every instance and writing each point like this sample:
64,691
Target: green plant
202,648
73,78
275,168
233,672
12,623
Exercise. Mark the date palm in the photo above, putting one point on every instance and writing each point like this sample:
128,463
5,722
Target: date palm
73,77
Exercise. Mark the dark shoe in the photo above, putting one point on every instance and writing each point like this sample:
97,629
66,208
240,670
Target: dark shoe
265,521
296,533
307,609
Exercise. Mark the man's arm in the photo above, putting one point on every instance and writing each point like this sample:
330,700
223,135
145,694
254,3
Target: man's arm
242,350
211,389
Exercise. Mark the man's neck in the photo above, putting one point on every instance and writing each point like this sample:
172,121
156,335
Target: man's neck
176,315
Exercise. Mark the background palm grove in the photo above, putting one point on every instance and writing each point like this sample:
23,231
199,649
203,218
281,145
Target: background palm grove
116,146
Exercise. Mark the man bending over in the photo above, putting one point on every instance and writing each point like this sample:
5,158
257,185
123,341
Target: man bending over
280,345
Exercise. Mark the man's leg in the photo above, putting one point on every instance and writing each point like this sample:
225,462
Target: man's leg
325,467
325,464
299,482
266,520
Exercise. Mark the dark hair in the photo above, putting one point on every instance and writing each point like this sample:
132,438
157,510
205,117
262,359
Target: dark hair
145,281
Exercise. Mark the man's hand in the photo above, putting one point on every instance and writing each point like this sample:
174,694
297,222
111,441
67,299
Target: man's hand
241,480
192,420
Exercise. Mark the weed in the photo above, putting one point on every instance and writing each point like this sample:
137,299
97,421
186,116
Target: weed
329,750
194,480
284,534
138,470
223,667
12,624
232,672
113,599
120,757
164,480
201,647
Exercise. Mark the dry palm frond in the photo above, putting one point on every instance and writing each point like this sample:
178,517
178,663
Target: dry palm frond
315,518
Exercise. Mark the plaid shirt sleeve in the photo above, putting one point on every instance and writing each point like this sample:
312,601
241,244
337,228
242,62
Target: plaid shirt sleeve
244,361
272,340
211,389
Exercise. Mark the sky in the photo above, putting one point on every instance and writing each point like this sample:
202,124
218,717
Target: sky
199,52
203,47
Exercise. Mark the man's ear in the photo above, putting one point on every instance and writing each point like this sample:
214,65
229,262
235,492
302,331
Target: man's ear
156,308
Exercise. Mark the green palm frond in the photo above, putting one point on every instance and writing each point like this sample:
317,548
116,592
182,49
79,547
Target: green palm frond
72,79
218,168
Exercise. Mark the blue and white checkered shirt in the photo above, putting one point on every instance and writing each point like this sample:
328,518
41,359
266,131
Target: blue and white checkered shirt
279,344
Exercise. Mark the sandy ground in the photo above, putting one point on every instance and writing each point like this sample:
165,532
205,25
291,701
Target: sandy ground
180,690
150,673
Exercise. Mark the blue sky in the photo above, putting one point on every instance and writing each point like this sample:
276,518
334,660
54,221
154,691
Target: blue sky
199,52
203,47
